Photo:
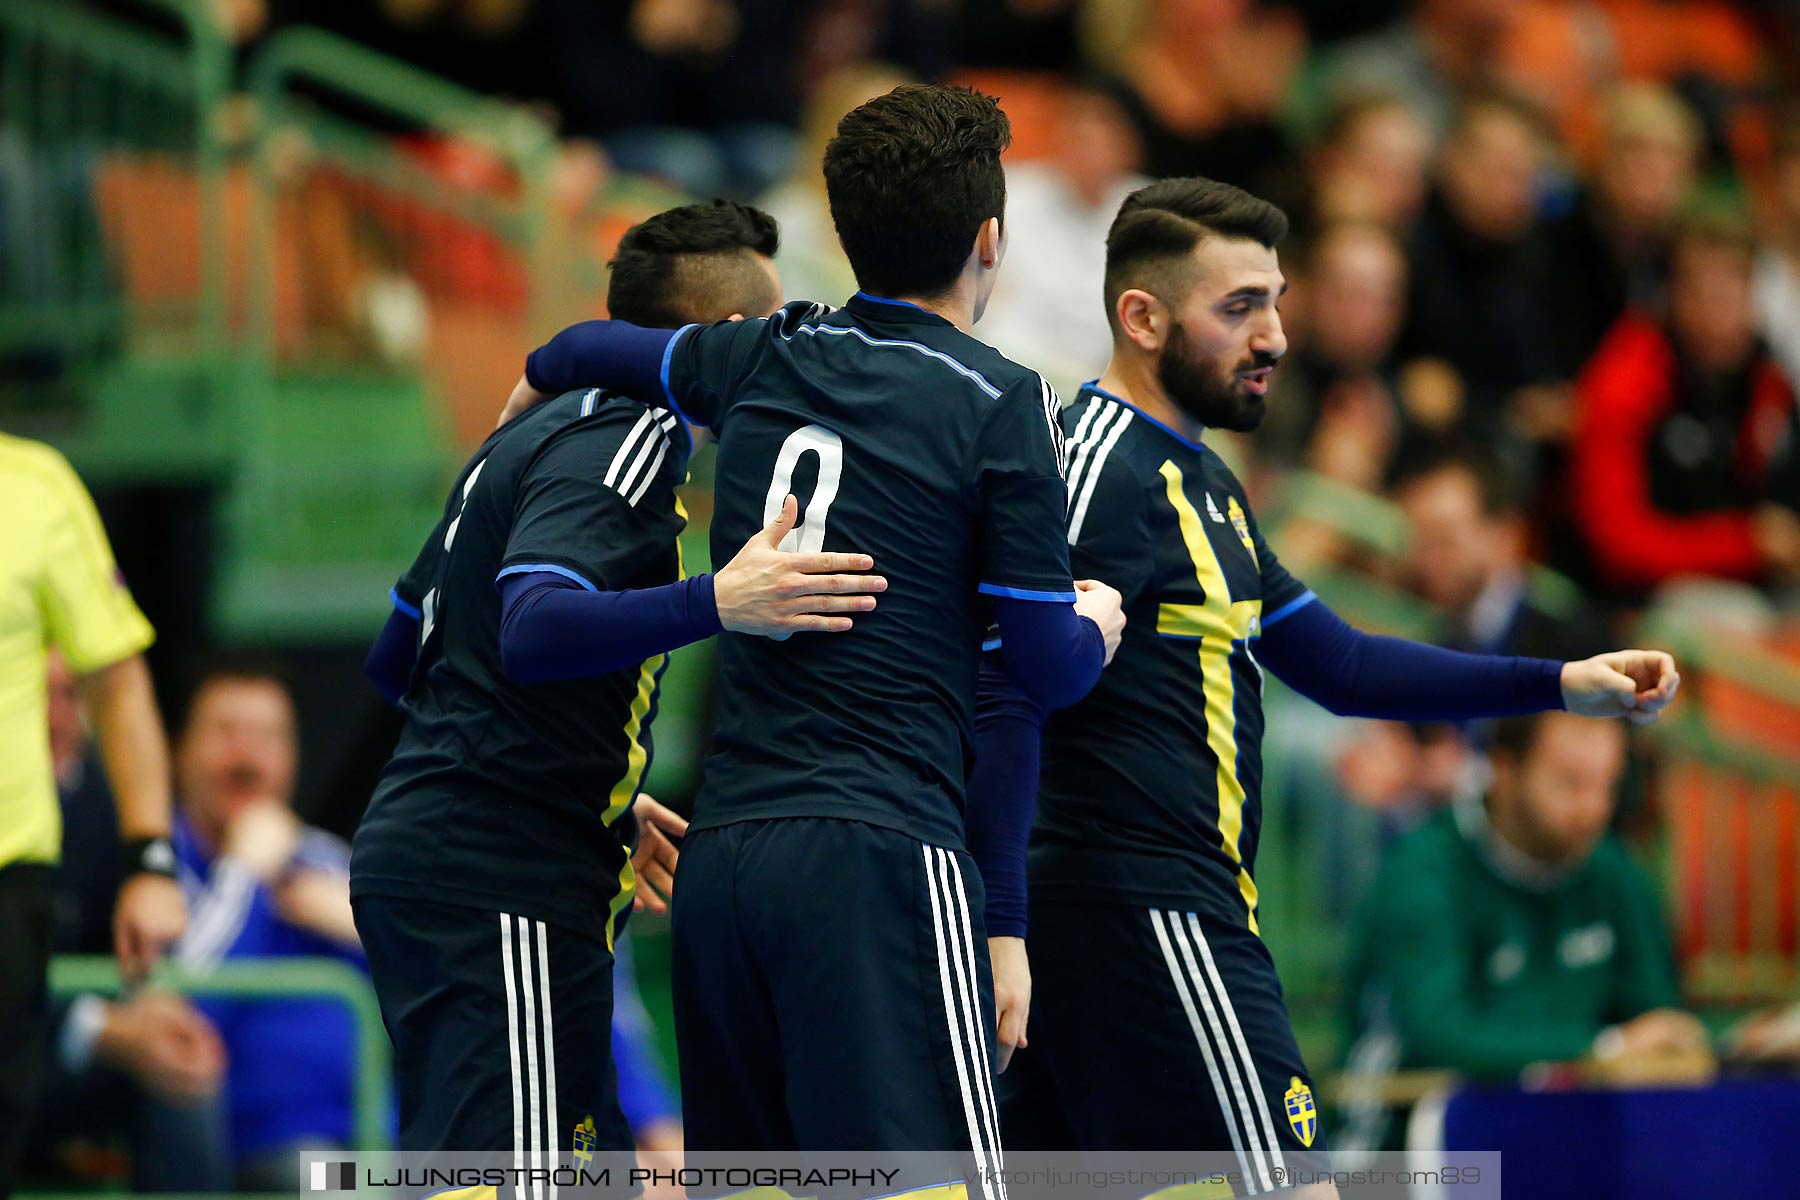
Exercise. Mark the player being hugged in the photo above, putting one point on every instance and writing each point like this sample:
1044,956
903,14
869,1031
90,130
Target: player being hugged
494,866
832,985
1159,1023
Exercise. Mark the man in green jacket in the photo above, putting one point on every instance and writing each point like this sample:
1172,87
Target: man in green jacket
1517,931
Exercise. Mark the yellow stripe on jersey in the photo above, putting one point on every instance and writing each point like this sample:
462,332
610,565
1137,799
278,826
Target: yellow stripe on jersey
1216,624
637,761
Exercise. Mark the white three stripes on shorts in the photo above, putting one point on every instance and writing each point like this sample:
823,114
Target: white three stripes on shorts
525,963
962,1008
1228,1062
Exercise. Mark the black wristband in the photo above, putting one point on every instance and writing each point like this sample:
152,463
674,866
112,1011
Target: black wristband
147,856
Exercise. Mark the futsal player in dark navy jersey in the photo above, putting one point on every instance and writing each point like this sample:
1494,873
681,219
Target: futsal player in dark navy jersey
1158,1022
832,980
494,865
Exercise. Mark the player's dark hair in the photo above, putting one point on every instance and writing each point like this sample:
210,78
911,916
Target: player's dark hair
911,177
1498,490
1158,227
234,666
693,263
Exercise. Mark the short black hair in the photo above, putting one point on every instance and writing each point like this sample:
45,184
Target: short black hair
693,263
911,177
1498,490
238,666
1159,225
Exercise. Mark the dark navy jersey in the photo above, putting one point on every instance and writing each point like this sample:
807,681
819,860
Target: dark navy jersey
908,440
1151,790
512,796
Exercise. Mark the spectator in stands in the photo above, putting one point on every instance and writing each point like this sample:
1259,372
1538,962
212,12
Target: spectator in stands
1467,559
1517,931
1204,82
1612,250
702,93
1443,51
263,885
60,588
1778,262
1335,408
1058,210
150,1067
650,1104
1482,271
1370,163
810,260
1686,461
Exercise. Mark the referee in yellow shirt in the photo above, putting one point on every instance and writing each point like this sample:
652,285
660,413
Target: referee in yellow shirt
60,587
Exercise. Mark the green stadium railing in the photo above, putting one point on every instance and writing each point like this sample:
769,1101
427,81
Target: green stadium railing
273,979
124,377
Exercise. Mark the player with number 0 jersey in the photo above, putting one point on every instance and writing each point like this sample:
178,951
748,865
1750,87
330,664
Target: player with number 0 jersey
832,988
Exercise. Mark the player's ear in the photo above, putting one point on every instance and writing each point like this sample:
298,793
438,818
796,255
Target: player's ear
1142,319
990,243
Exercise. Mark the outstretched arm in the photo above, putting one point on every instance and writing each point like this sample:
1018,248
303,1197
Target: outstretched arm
1357,674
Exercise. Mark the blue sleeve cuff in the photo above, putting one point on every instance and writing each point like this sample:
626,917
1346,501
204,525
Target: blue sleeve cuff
411,610
1289,609
668,359
552,568
1011,593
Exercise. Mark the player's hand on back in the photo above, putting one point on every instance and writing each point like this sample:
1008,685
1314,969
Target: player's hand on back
772,593
1637,684
1104,607
523,397
656,856
1012,995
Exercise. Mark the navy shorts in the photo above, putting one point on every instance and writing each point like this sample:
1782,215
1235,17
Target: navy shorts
1156,1030
832,992
502,1030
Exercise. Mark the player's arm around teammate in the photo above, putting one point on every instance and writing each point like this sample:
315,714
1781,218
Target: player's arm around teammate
1002,802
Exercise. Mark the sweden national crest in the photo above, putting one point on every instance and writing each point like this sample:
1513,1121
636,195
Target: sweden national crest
1240,524
1302,1113
584,1140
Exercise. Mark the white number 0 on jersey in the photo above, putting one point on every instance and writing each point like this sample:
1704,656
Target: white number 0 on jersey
808,536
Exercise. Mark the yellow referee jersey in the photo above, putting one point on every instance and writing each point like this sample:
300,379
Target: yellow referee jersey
59,587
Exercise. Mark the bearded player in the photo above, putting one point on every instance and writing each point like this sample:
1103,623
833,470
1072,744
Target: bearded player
1158,1022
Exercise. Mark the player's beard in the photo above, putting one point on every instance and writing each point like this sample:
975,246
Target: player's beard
1204,391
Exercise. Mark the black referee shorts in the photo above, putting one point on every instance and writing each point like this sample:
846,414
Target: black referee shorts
502,1030
27,911
1155,1030
832,992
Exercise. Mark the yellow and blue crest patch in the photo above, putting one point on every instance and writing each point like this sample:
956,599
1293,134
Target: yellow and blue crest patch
1234,512
584,1140
1302,1113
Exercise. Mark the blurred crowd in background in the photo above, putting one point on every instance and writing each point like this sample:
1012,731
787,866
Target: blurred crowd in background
1544,380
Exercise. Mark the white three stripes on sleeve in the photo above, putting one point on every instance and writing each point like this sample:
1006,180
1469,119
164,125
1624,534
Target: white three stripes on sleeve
1095,436
1053,414
641,455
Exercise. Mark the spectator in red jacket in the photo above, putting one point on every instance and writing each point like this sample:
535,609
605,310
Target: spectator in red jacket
1686,461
